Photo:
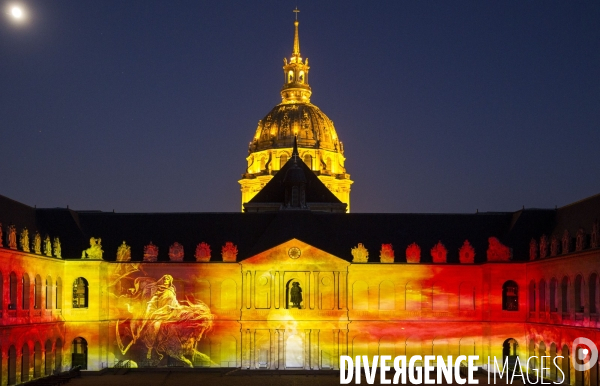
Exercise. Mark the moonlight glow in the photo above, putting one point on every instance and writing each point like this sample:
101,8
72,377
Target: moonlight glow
16,12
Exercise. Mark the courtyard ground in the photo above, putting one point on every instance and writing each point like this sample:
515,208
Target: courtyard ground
184,377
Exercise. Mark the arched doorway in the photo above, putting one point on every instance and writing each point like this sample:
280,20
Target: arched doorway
544,365
79,349
25,363
48,358
12,365
566,365
37,360
533,363
58,356
553,367
510,351
294,352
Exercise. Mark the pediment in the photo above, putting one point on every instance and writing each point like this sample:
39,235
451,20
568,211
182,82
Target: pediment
296,254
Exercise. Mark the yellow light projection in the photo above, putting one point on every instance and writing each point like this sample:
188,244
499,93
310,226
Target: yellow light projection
293,306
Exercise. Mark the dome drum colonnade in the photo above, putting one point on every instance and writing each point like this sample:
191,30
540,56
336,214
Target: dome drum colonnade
318,143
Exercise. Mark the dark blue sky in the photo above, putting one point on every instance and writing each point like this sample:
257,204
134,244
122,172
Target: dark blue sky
442,106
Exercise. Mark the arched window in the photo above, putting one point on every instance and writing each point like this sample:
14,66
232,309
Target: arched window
25,363
48,293
510,296
262,163
593,290
360,295
58,355
12,305
1,291
228,295
25,295
387,295
578,294
413,297
564,294
12,365
48,358
466,296
37,360
532,296
553,295
282,160
301,77
37,292
59,293
308,161
202,291
542,297
80,293
439,299
290,76
79,351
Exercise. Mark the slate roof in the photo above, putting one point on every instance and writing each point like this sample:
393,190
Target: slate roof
274,190
331,232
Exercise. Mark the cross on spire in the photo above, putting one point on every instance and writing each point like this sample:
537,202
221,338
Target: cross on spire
296,12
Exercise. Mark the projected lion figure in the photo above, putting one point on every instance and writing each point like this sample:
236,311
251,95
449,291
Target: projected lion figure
163,324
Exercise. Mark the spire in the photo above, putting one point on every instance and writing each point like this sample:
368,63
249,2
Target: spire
296,88
296,52
295,154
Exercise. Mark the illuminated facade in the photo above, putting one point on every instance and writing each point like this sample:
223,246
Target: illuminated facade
286,285
319,145
279,290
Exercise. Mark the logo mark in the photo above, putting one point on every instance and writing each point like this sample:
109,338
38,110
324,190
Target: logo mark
583,349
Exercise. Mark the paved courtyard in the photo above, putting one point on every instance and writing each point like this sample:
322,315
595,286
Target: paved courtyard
181,377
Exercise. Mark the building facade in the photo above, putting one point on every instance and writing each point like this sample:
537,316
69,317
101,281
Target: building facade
294,305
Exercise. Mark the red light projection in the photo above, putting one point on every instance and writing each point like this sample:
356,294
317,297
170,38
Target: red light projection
466,253
413,253
497,251
150,314
439,253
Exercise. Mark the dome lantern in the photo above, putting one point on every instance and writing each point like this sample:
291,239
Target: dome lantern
295,88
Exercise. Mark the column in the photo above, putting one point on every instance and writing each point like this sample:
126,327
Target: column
306,349
253,359
277,290
335,355
246,348
315,350
281,356
272,349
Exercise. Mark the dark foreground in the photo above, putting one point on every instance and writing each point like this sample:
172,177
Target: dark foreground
183,377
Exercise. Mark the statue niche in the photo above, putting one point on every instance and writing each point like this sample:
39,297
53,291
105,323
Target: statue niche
294,295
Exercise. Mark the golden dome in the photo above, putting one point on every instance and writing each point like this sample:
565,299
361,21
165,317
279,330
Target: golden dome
318,144
286,120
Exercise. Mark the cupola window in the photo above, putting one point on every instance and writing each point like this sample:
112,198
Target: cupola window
290,76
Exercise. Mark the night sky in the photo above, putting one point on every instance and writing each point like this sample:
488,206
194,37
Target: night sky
148,106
